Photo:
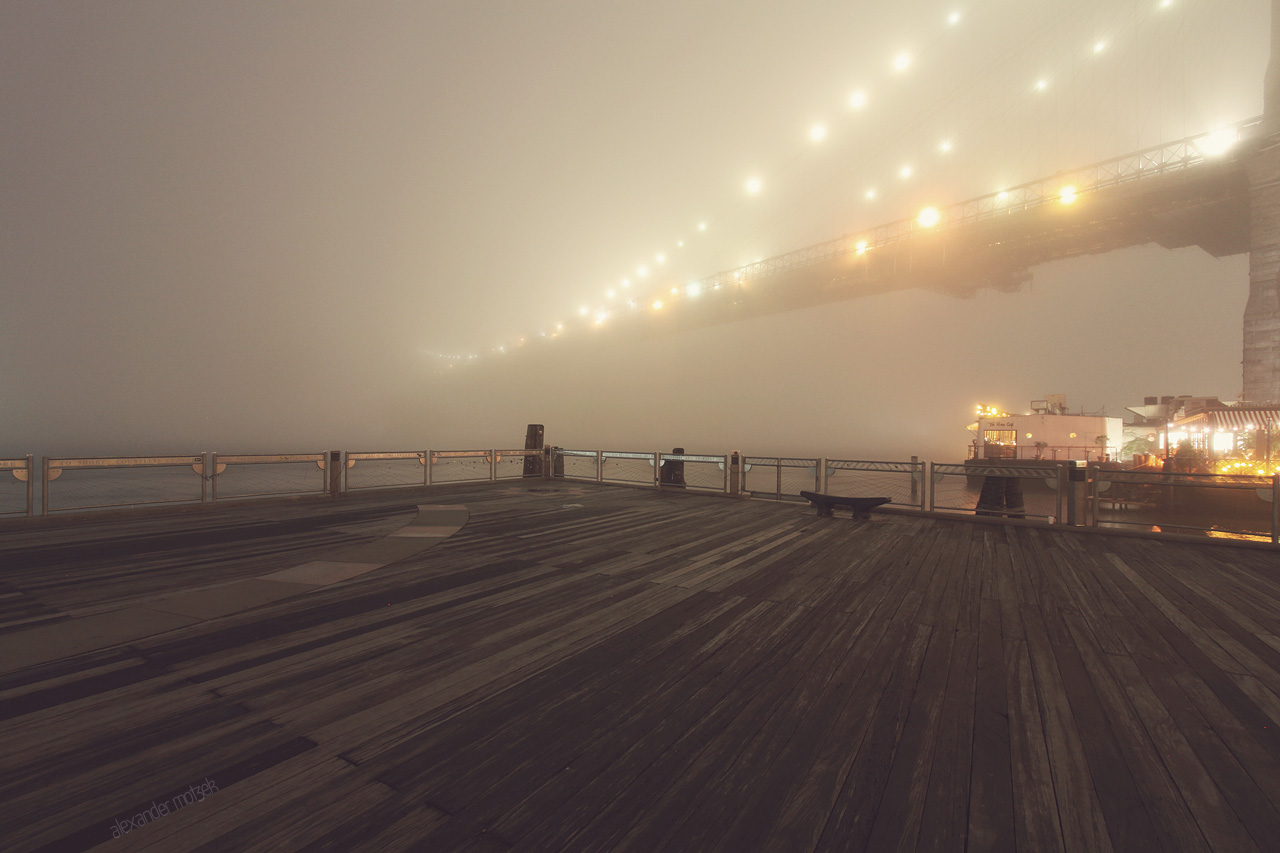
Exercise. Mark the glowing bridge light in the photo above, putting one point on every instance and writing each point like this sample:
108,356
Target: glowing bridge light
861,247
945,146
1099,46
818,133
906,171
611,293
902,61
753,185
1219,142
657,305
869,195
679,244
1041,85
693,289
953,19
1003,195
660,258
702,226
642,271
858,100
626,282
584,311
1068,195
929,217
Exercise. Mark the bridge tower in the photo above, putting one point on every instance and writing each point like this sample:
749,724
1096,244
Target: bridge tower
1262,312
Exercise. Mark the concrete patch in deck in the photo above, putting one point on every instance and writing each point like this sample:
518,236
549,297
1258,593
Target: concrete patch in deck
322,572
75,636
69,637
420,531
230,598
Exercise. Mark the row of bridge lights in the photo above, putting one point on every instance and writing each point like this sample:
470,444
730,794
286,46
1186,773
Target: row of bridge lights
929,217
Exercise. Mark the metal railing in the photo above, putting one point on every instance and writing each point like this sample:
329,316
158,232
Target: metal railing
575,464
781,477
623,466
1216,504
389,470
22,494
692,471
268,475
89,483
903,483
1001,489
1062,491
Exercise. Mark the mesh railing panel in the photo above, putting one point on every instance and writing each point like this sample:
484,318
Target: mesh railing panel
13,492
460,469
1034,490
511,464
576,466
385,470
292,474
704,475
100,488
760,476
638,469
893,480
1185,502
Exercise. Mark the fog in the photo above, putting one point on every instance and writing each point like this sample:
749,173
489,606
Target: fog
247,227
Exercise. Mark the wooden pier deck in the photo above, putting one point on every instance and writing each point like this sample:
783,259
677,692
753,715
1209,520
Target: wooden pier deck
584,667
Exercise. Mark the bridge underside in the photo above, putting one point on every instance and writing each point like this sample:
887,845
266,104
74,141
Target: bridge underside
1205,206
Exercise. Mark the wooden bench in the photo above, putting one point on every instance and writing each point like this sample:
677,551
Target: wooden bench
826,504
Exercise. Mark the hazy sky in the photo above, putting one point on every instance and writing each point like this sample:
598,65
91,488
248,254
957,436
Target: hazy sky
257,226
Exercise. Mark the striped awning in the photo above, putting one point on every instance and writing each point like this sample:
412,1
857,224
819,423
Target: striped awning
1233,419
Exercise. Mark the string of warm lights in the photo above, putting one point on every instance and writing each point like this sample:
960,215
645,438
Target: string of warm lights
630,294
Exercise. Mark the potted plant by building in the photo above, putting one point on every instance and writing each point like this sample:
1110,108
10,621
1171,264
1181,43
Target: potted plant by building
1040,446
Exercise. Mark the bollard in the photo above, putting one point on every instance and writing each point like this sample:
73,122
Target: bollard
672,473
533,440
335,473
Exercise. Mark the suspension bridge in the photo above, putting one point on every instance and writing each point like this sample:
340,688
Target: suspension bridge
1217,190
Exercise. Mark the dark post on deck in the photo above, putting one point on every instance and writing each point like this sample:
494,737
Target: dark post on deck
672,473
533,438
335,473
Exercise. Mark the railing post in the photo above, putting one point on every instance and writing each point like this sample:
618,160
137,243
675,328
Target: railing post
1091,477
548,459
31,471
929,486
204,477
657,469
1275,508
493,465
778,464
820,478
1064,483
915,460
44,485
213,477
335,473
431,461
599,466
